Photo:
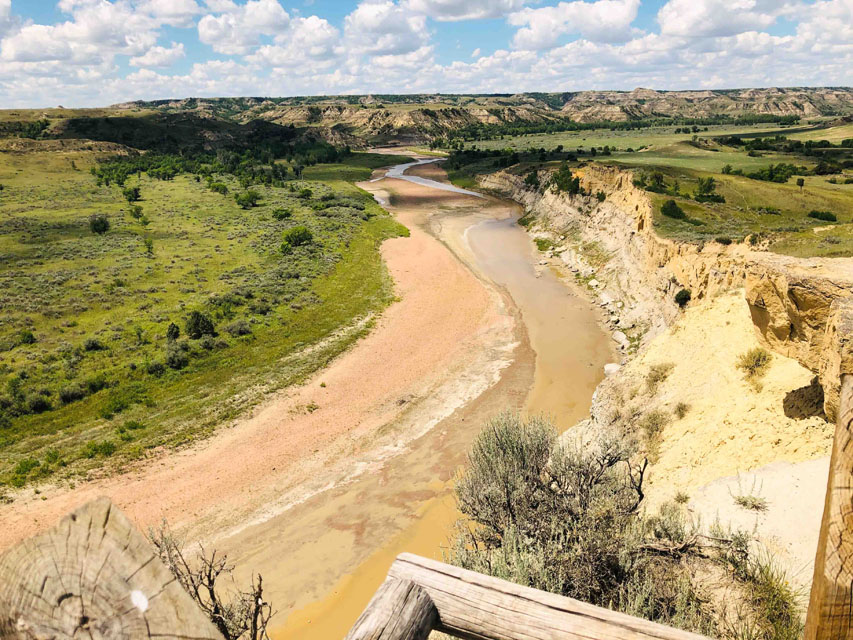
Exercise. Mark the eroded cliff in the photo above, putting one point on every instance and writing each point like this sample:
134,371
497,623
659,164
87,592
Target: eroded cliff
612,246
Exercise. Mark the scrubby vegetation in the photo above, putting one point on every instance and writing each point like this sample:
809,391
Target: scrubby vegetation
112,314
569,518
754,363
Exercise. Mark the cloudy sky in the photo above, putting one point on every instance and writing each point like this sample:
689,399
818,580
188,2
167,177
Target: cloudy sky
98,52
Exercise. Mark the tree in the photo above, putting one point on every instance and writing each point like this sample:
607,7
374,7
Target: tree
296,237
131,194
99,223
706,186
247,199
682,298
801,183
199,325
135,211
149,245
671,210
173,332
727,169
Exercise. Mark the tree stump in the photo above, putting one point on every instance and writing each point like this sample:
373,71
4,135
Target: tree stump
94,576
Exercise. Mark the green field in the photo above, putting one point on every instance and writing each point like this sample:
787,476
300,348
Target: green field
90,379
772,215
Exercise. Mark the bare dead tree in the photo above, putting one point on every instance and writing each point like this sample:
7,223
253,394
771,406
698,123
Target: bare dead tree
237,614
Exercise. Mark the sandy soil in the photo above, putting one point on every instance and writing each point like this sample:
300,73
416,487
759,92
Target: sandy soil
446,323
735,440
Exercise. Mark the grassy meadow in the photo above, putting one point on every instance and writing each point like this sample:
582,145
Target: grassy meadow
775,215
92,374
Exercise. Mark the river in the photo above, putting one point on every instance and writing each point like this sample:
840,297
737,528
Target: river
331,552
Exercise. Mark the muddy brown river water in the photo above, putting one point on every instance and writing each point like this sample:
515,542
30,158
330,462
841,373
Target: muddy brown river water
322,559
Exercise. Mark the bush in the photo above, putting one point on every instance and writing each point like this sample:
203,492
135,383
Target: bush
248,199
239,328
681,410
306,194
37,403
156,368
601,196
826,216
199,325
131,194
99,223
754,362
176,357
72,393
281,214
658,373
218,187
93,344
671,210
172,332
96,383
298,236
723,240
682,298
135,211
103,449
26,337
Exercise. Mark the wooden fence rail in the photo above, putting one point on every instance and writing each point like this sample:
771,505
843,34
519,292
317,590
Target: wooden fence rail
422,595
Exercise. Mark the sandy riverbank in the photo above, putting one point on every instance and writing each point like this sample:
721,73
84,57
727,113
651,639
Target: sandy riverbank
446,327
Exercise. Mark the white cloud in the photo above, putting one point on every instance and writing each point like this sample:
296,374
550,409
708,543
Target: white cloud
452,10
310,43
239,29
381,27
176,13
34,43
719,17
475,53
602,20
160,56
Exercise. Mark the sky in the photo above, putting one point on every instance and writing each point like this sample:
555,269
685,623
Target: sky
78,53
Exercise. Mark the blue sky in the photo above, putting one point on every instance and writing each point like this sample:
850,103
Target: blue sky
97,52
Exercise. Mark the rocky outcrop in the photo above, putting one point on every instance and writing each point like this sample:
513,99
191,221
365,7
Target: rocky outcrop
798,306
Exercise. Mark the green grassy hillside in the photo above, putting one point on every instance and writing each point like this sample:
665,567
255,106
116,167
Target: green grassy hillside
91,371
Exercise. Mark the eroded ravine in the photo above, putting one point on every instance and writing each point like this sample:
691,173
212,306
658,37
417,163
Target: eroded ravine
329,554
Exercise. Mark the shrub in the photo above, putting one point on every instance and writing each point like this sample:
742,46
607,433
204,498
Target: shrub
239,328
131,194
826,216
199,325
99,223
176,357
173,332
26,337
658,373
653,423
601,196
135,211
156,368
38,403
681,409
96,383
104,449
723,240
671,210
306,194
281,214
682,298
218,187
755,362
72,393
247,199
298,236
93,344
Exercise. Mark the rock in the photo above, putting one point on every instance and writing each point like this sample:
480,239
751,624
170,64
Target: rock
614,319
621,339
612,369
606,298
594,283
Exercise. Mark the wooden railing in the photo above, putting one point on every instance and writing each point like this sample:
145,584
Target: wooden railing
421,595
95,576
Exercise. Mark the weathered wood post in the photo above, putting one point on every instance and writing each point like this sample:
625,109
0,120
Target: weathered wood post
399,610
830,614
94,576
